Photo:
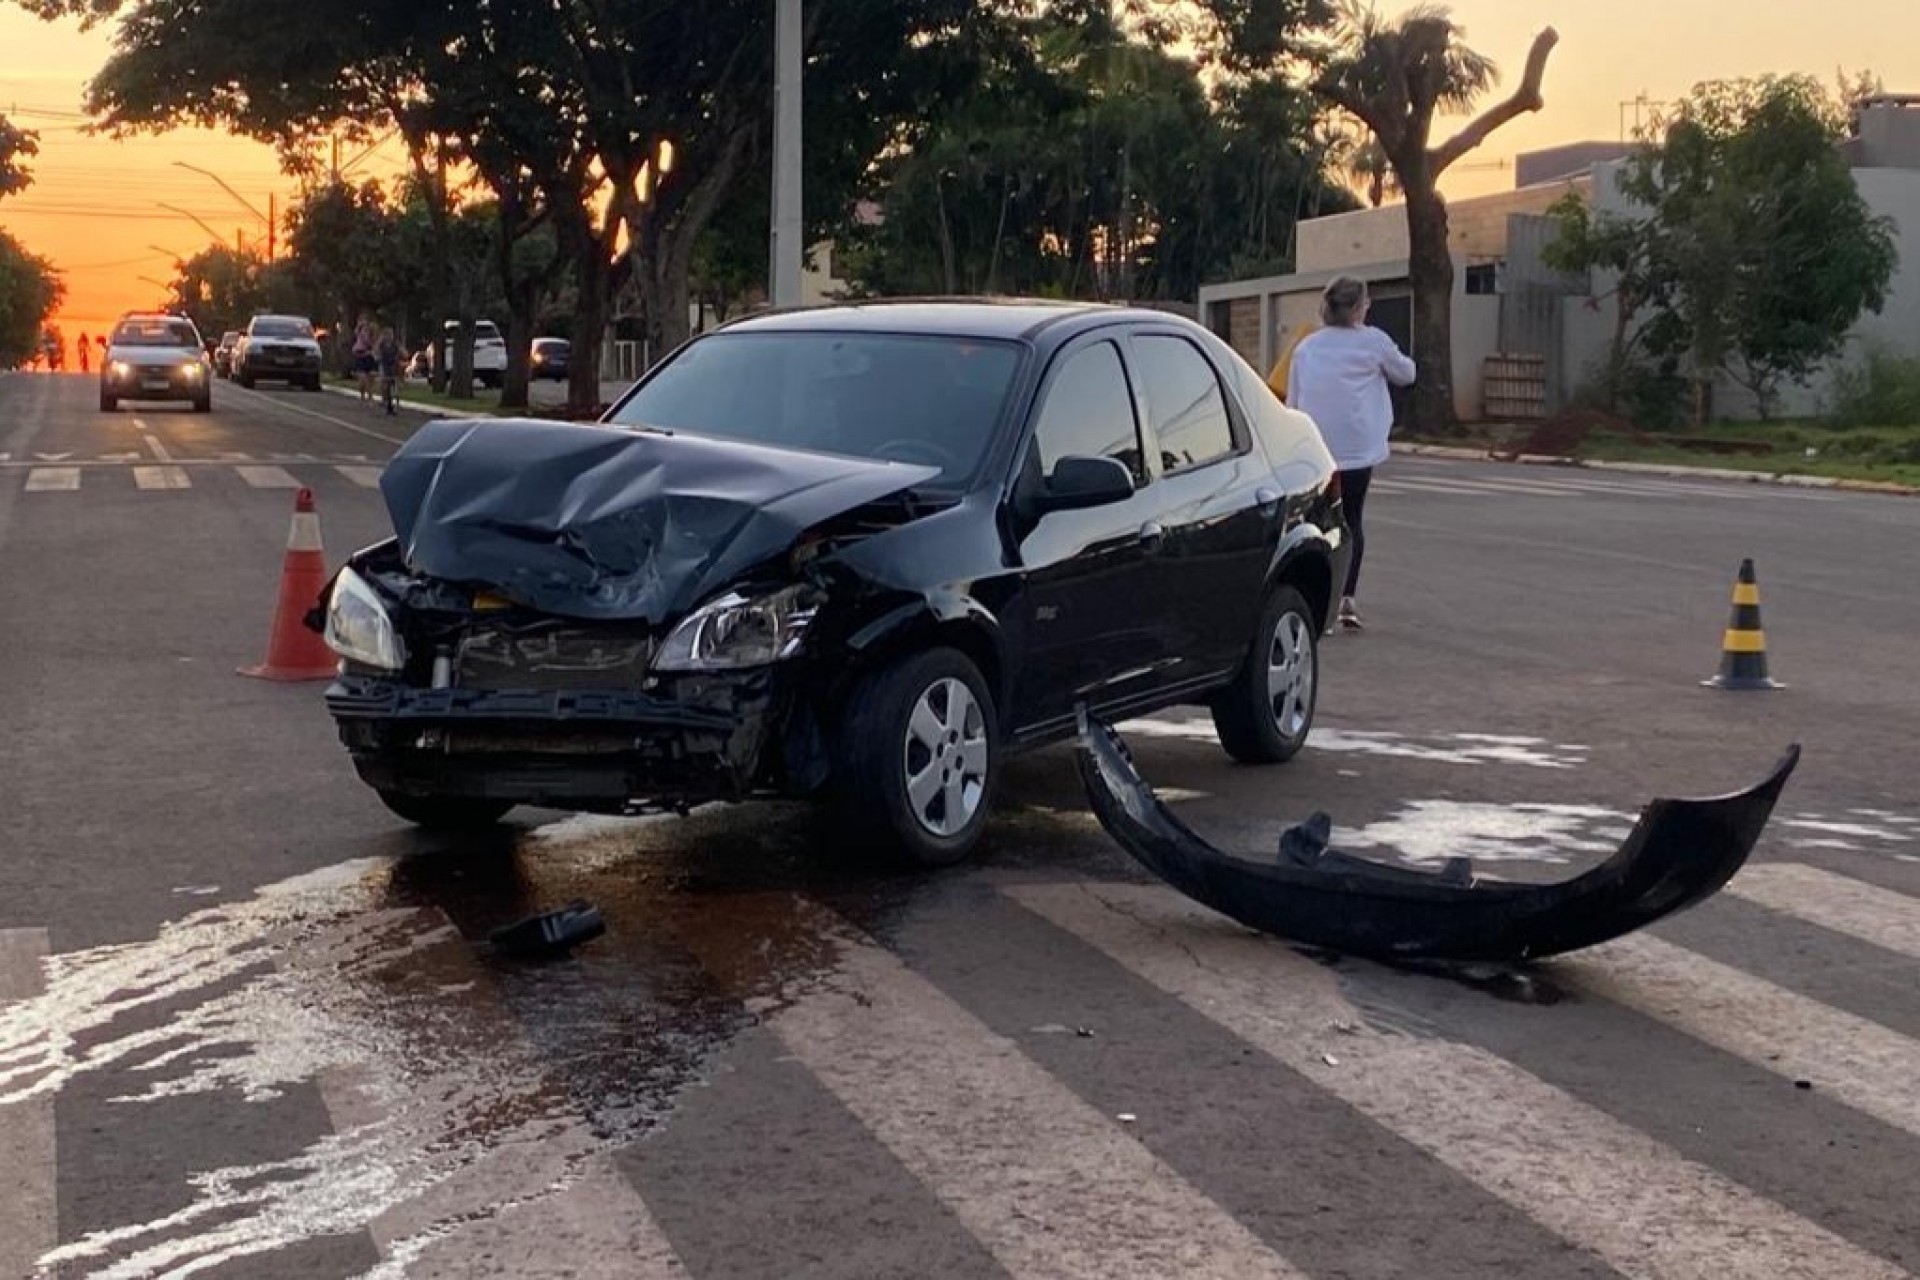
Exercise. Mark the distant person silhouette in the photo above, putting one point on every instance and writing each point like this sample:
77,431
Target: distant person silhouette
85,353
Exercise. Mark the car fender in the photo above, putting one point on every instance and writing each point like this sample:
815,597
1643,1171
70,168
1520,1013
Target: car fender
946,616
1307,553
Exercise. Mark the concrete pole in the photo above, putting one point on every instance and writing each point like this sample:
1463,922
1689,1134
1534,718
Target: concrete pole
788,225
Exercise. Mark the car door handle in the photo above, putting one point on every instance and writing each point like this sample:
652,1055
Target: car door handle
1152,536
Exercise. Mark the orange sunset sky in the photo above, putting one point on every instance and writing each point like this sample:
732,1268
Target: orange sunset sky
95,207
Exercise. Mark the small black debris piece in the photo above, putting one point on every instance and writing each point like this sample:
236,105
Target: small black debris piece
1304,845
551,933
1803,1084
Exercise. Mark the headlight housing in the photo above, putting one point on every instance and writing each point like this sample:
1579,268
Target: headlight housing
120,368
737,631
191,370
358,626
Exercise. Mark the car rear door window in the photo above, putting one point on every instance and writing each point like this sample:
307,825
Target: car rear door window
1088,412
1188,408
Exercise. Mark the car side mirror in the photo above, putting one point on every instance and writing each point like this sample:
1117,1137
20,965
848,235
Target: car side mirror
1081,482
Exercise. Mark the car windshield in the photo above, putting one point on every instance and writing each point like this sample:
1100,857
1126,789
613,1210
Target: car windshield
906,398
155,333
282,329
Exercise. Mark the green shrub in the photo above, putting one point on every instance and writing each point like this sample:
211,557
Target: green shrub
1652,396
1881,391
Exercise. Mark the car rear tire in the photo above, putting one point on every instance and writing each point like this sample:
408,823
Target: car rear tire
109,404
1264,716
446,813
917,759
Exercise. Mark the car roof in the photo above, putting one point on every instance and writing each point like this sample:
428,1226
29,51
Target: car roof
1007,318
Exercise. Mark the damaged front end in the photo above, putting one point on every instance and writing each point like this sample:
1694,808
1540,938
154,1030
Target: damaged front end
1679,853
591,619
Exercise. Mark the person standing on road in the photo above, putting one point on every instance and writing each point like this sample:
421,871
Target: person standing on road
386,352
86,345
365,363
1339,377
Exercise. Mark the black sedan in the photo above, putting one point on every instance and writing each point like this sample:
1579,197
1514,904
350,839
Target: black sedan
860,553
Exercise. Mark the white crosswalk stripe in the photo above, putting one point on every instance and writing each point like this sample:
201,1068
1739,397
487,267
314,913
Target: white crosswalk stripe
365,477
1588,1177
28,1217
161,478
262,477
53,480
1865,1065
1050,1186
1840,903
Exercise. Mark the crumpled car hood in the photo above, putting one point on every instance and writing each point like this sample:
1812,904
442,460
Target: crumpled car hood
596,522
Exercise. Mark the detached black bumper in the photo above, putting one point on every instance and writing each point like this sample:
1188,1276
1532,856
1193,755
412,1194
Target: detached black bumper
695,739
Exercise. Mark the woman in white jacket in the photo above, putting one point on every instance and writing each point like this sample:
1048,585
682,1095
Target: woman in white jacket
1340,378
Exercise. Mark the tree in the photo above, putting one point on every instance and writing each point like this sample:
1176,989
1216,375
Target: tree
17,146
1368,165
1394,77
1750,253
30,290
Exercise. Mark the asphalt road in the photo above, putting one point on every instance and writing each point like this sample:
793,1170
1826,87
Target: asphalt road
255,1029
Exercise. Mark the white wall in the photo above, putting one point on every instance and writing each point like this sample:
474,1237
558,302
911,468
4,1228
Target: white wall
1476,335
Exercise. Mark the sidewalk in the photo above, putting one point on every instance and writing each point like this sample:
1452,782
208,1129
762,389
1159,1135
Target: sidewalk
541,395
1661,469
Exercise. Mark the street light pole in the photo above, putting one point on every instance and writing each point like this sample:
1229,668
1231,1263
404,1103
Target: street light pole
788,222
245,203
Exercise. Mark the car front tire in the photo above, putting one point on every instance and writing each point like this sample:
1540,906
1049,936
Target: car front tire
203,404
445,813
1264,716
245,380
109,404
918,759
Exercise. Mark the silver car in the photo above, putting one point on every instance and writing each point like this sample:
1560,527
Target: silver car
155,357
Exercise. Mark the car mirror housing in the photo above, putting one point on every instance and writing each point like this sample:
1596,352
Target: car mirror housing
1077,483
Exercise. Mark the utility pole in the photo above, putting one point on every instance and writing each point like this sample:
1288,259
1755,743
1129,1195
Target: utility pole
788,221
272,212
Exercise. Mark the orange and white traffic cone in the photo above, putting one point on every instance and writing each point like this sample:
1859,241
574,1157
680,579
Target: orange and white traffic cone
293,652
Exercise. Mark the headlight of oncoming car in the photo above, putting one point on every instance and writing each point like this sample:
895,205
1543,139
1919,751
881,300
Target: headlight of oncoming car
358,626
736,631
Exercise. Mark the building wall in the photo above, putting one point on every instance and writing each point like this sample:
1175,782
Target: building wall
1476,228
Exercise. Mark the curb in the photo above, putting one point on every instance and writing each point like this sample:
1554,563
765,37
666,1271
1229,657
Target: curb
1787,479
409,406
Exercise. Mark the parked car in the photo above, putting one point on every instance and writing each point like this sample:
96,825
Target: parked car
152,356
862,553
489,351
223,353
278,349
550,359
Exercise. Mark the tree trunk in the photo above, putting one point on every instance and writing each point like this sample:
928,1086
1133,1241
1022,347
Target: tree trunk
522,301
591,281
1430,267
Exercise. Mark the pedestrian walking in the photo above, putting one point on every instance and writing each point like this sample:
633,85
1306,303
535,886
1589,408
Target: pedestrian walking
386,352
1339,377
365,363
86,351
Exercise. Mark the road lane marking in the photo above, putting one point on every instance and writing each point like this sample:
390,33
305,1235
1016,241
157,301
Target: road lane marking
327,418
1049,1185
1861,1063
1601,1184
1428,486
158,450
1879,916
161,478
53,479
29,1221
1484,486
268,477
365,477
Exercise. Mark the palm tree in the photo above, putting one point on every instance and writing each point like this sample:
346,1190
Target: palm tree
1393,76
1368,165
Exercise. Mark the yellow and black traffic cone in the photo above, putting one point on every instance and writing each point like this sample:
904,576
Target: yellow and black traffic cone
1743,654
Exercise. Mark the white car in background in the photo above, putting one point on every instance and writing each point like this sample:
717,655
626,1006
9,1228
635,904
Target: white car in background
489,351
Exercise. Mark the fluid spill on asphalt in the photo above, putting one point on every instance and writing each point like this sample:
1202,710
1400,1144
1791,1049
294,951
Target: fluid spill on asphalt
458,1085
1432,748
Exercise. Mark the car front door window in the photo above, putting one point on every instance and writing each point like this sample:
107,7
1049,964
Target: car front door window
1088,412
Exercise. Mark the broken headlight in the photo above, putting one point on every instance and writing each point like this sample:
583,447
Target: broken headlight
358,626
737,631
